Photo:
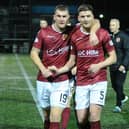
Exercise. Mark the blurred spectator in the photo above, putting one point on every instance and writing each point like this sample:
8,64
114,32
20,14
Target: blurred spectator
43,23
118,71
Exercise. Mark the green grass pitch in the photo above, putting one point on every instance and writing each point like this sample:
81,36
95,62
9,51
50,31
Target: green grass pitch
18,109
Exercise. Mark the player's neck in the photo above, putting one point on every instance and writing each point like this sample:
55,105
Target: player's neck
57,29
84,30
116,32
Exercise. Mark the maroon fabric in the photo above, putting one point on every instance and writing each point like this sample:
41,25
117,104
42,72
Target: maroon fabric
55,51
88,54
65,118
95,125
54,125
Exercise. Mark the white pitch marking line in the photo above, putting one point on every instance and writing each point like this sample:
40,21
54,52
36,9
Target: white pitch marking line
14,77
30,86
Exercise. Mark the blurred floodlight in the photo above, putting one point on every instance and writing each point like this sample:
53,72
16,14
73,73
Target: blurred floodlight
101,16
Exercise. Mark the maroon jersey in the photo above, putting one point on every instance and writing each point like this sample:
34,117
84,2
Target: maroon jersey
88,54
55,47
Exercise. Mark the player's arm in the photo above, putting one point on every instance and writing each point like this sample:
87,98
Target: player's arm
74,70
96,26
93,37
67,67
111,59
125,62
34,54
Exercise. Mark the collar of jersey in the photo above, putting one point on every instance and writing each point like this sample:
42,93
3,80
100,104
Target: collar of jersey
53,27
81,29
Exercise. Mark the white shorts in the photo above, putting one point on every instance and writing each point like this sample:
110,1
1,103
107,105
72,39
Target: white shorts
90,94
53,94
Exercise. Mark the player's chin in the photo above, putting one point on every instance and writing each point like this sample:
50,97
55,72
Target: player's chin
86,25
62,26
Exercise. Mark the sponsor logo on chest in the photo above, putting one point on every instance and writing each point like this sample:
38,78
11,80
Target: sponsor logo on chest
88,53
59,51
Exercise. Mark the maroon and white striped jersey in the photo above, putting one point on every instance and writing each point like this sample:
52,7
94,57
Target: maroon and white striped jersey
55,50
88,54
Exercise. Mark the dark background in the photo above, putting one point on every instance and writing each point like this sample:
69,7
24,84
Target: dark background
19,19
110,8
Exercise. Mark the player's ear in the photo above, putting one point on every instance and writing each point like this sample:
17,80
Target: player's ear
78,18
54,17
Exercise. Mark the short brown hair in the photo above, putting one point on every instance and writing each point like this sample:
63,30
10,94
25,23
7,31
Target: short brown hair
85,7
61,7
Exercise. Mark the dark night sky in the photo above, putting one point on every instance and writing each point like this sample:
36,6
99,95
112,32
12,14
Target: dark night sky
110,8
114,9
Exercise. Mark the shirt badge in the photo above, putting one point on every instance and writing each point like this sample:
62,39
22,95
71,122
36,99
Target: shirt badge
118,39
64,36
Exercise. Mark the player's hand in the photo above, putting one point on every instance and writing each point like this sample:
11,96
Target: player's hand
74,70
46,73
94,39
122,69
94,68
53,69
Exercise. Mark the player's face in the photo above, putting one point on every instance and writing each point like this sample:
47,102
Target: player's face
43,24
86,19
61,18
113,26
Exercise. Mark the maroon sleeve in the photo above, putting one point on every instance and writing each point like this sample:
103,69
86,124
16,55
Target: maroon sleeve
38,40
73,48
